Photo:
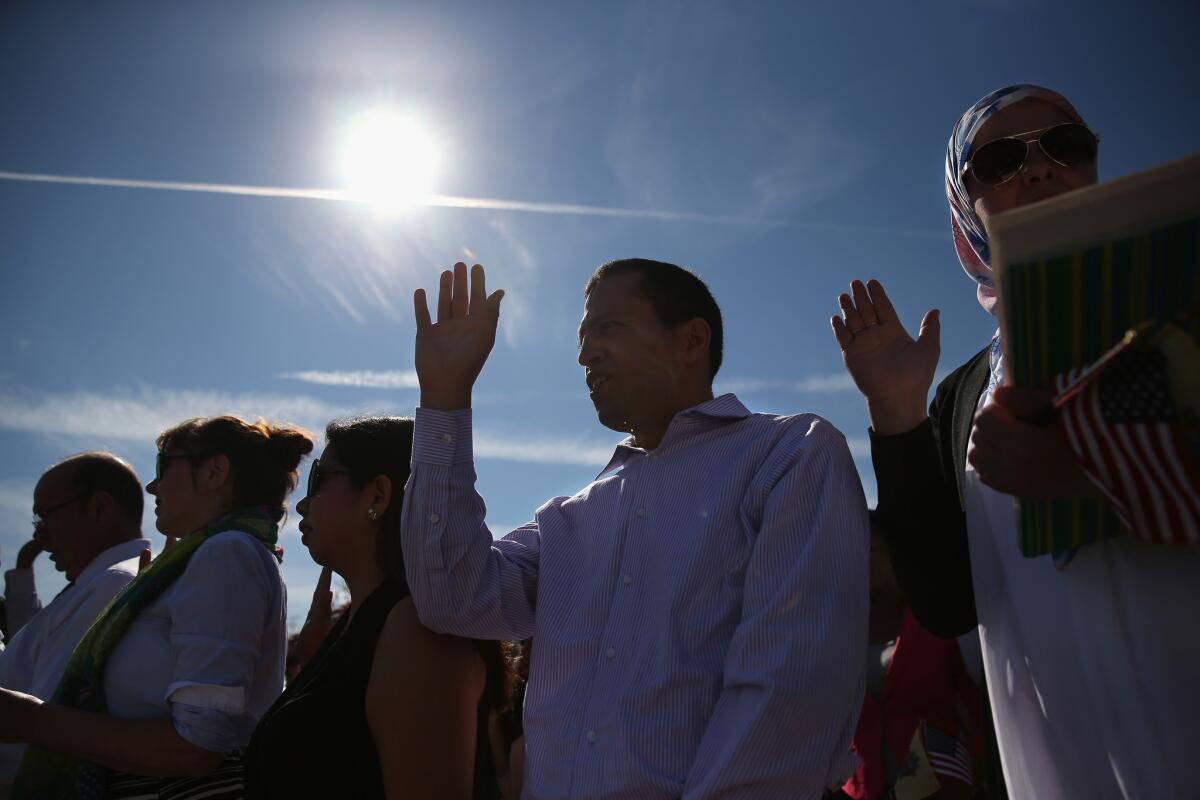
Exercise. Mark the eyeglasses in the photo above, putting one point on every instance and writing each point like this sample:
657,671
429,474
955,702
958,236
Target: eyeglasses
40,518
1000,160
164,460
318,472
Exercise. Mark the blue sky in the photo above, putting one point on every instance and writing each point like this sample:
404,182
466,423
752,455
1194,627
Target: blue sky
819,127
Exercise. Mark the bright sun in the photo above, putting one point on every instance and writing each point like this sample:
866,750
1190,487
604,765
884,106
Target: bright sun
388,159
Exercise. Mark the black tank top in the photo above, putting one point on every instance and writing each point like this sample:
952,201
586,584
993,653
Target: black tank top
315,741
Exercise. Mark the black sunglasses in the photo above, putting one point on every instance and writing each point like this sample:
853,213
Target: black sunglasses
1000,160
317,473
164,460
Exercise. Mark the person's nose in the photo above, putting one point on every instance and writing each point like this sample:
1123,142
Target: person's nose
1038,166
152,487
588,352
584,355
302,507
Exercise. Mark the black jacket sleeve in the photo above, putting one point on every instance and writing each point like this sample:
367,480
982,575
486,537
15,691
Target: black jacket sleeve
919,474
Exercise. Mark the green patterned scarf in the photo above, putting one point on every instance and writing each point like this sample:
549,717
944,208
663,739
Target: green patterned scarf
50,775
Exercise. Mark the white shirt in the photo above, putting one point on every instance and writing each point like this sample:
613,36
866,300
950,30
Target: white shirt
1093,671
699,611
209,652
38,653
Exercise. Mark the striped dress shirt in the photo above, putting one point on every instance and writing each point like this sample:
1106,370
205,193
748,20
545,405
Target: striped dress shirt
699,610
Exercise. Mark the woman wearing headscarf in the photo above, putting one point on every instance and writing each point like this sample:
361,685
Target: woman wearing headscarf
164,690
1090,666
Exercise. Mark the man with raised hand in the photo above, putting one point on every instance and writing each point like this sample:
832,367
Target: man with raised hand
700,608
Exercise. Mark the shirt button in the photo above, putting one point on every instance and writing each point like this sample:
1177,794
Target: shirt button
626,579
641,512
591,737
446,438
610,654
435,517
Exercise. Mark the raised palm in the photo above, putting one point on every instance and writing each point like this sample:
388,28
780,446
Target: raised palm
451,352
891,369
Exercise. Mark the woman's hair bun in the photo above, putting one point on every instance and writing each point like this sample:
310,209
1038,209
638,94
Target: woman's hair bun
288,443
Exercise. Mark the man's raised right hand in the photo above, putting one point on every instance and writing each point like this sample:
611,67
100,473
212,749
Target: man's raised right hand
452,351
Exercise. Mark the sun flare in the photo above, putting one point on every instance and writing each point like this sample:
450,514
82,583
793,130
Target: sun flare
389,159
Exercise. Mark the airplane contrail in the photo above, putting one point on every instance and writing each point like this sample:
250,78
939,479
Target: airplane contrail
452,201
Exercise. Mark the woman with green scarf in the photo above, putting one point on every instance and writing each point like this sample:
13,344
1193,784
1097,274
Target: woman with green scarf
166,687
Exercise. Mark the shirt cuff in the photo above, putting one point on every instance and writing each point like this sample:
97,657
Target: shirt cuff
227,699
19,581
442,438
210,729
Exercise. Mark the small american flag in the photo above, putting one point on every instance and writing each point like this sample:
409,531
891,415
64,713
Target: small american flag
1131,439
948,755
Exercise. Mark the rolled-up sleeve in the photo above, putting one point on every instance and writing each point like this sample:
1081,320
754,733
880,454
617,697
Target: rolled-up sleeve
219,612
462,581
793,676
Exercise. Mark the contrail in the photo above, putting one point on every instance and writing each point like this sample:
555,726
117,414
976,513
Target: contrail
454,201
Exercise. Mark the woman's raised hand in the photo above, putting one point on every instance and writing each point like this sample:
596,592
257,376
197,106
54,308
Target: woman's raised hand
891,369
452,351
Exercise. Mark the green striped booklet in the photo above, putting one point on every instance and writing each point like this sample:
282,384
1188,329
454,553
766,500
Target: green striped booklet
1074,274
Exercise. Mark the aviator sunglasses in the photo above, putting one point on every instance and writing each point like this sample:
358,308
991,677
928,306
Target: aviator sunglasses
1000,160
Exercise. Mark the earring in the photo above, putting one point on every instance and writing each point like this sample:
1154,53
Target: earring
371,514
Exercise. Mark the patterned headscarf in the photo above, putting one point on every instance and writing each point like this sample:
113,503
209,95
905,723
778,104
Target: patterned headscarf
970,238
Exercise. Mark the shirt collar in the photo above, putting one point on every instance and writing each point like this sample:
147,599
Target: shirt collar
719,410
111,557
725,406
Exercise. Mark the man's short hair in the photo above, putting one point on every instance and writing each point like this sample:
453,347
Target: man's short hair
104,472
677,295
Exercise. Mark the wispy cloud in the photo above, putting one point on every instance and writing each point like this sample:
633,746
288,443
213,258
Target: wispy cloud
431,200
490,204
812,384
140,415
362,378
584,452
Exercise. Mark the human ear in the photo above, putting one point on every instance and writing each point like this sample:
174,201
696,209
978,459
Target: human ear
697,338
100,505
379,491
214,473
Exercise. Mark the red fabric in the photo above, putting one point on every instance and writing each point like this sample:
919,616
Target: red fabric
925,681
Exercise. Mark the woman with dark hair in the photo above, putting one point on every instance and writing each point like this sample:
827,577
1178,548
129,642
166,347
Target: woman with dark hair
175,674
1089,655
385,708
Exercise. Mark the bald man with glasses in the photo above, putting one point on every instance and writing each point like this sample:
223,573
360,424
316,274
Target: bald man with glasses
87,516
